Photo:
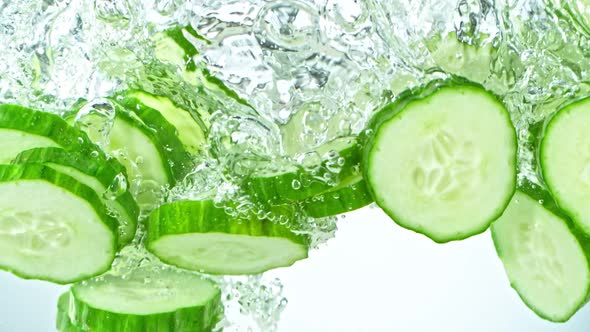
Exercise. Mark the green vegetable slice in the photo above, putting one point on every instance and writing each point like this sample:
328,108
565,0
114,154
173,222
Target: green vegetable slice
161,135
351,194
22,128
196,235
293,183
63,322
544,254
442,161
106,177
176,46
48,220
565,160
471,61
147,299
188,128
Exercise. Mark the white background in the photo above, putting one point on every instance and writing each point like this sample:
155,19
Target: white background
374,276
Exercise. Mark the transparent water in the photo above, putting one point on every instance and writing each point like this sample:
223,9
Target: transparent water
311,71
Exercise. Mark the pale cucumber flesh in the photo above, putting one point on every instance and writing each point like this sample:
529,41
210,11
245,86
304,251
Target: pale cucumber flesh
42,240
445,165
126,223
189,131
137,153
543,259
232,254
12,142
565,161
146,292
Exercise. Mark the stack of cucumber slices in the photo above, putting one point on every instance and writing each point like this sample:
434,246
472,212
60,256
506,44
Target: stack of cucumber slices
441,160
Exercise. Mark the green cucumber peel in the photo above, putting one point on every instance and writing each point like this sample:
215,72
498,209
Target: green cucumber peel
34,262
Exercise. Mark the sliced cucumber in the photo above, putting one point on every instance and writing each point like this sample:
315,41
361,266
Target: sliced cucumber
545,256
153,156
48,221
22,128
471,61
147,299
160,133
293,183
173,46
196,235
189,129
63,322
351,194
565,160
442,161
177,47
106,177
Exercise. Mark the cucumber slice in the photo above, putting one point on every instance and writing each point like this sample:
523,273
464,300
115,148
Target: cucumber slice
106,177
293,183
63,322
545,256
49,220
22,128
175,47
442,161
189,129
196,235
351,194
153,157
147,299
471,61
565,160
160,133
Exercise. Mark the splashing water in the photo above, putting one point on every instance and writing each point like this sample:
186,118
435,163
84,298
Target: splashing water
305,71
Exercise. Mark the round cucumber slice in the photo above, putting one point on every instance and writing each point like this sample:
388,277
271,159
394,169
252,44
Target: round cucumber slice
196,235
351,194
22,128
154,131
48,220
147,299
442,162
545,256
106,177
565,160
293,183
188,128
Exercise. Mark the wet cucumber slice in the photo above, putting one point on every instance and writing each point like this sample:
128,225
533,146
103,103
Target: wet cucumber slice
98,173
351,194
565,160
146,146
188,128
196,235
293,183
545,256
471,61
173,46
22,128
147,299
149,127
63,322
177,47
48,221
442,161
